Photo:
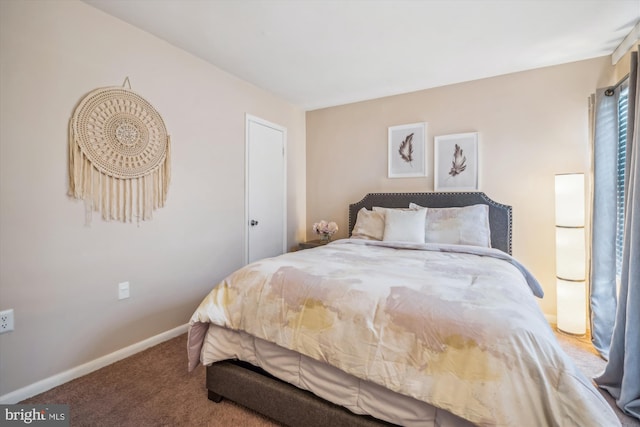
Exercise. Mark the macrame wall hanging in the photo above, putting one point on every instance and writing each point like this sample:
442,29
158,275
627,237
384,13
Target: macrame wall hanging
119,155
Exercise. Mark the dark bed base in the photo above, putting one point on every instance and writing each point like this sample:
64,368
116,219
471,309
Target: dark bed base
255,389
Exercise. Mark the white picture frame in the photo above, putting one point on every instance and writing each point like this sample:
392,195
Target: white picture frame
456,162
407,153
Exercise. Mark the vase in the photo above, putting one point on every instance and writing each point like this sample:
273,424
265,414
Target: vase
325,237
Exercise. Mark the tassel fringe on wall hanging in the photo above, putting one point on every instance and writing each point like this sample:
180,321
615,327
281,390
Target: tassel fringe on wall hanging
119,155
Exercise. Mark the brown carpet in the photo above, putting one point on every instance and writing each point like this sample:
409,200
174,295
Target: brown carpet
153,388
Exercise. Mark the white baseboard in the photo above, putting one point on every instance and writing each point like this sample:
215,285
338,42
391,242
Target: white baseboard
73,373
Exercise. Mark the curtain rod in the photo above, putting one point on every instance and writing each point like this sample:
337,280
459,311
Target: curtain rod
611,89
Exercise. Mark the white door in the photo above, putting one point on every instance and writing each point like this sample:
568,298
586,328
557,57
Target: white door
265,189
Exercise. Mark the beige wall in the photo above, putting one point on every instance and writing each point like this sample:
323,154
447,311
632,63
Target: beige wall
61,277
531,126
622,67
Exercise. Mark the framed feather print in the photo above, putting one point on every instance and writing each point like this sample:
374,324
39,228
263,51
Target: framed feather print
407,151
456,162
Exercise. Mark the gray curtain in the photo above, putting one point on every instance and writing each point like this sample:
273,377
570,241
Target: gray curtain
602,277
621,377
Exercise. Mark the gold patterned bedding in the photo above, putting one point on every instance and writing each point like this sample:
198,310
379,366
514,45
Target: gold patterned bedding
451,325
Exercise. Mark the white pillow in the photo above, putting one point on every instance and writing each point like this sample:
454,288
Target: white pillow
404,225
369,225
384,210
467,225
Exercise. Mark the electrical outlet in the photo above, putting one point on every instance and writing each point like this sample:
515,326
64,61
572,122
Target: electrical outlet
6,321
123,290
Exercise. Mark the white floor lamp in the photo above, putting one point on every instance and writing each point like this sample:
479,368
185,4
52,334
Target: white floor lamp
570,254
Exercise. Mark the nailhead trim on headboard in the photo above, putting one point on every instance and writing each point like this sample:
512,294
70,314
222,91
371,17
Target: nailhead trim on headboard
500,216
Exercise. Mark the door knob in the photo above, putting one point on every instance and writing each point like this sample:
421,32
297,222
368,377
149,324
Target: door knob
253,223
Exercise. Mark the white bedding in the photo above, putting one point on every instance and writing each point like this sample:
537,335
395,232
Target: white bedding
325,381
454,326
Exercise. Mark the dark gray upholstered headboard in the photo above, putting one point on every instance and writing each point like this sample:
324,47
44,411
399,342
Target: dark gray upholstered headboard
499,214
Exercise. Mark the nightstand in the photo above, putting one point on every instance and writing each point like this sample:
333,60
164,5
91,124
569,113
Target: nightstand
312,244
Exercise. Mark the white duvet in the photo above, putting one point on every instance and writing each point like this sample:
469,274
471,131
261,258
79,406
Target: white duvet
453,326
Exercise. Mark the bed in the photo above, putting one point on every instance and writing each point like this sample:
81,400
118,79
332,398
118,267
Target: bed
421,318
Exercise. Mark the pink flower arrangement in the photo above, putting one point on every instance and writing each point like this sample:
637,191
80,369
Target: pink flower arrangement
325,229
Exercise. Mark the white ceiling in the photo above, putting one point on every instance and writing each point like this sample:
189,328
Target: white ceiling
321,53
